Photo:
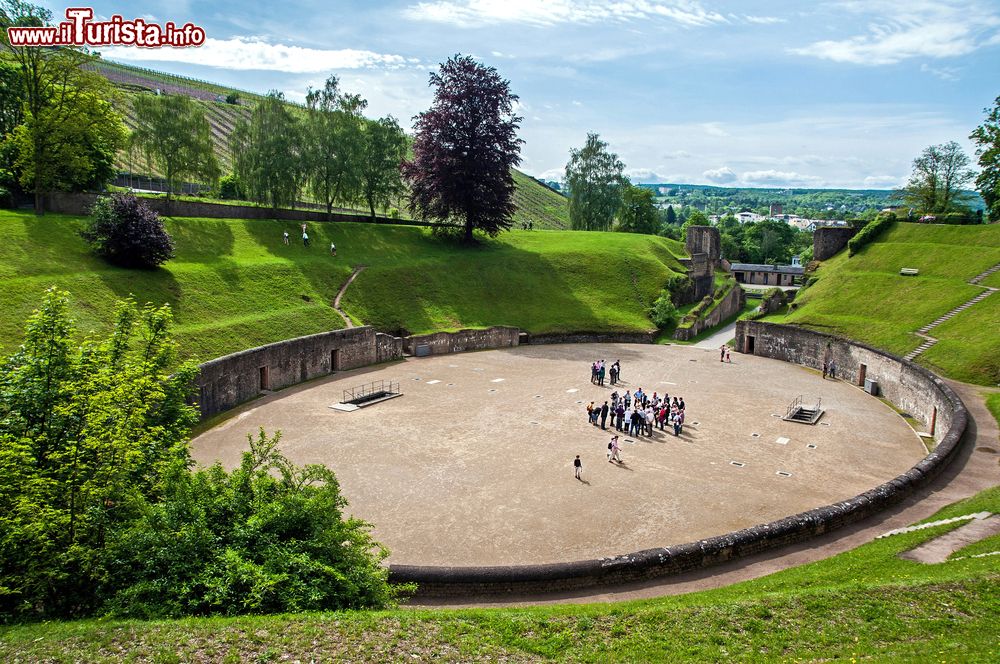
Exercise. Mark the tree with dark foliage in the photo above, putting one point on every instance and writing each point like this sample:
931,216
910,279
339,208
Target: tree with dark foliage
465,147
987,138
125,231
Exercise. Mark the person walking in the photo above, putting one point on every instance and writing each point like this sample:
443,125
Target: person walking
578,467
305,239
604,414
333,249
286,237
722,353
728,361
833,369
616,451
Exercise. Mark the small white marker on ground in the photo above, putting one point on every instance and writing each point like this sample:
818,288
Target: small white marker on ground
433,382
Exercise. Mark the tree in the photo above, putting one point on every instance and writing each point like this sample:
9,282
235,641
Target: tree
596,181
465,147
939,174
267,155
71,133
333,144
638,211
384,148
671,217
125,231
987,138
173,133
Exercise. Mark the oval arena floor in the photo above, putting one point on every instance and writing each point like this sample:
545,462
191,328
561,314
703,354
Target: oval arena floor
473,464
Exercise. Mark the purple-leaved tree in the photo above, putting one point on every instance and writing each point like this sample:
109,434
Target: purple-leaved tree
465,147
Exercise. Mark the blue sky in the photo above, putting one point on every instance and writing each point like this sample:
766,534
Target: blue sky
830,93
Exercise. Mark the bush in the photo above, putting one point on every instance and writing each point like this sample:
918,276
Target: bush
870,232
233,98
230,188
663,313
680,287
124,231
957,218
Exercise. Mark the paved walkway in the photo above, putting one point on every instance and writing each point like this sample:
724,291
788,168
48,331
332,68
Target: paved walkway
340,294
938,549
724,335
974,470
928,340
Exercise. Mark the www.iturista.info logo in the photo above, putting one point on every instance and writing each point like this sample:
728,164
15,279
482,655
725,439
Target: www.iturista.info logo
79,30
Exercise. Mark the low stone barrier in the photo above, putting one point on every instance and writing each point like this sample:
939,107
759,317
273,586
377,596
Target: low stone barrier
589,338
905,384
441,343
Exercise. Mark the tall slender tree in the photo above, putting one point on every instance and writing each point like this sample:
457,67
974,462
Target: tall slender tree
384,148
333,144
987,138
71,132
267,155
465,147
596,182
173,133
939,174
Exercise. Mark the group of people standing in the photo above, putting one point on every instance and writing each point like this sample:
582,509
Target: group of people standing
306,241
598,371
637,414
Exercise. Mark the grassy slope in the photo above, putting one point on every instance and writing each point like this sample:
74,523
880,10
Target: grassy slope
865,298
862,604
234,285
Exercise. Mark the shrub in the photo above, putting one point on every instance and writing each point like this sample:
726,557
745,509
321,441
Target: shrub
233,98
870,232
957,218
230,188
125,231
680,287
663,313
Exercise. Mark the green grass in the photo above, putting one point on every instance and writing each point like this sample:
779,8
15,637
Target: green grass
993,403
865,298
865,604
234,285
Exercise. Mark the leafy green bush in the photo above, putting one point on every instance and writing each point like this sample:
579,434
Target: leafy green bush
680,287
870,232
663,313
99,512
125,231
230,188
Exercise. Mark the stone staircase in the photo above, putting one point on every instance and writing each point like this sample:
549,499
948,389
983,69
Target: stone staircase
928,340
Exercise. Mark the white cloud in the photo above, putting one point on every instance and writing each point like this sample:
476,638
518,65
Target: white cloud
677,154
779,178
643,176
882,182
254,53
764,20
724,175
944,73
479,13
714,129
916,29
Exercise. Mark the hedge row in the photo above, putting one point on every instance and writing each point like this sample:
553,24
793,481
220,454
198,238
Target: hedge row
870,232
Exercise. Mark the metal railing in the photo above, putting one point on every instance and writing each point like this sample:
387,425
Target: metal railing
369,391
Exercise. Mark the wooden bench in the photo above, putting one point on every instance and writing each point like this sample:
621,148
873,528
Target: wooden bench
909,271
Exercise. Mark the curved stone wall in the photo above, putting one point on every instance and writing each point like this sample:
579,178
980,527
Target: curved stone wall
906,385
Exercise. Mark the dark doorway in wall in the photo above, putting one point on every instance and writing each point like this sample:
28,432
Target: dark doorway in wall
265,382
334,360
750,344
862,373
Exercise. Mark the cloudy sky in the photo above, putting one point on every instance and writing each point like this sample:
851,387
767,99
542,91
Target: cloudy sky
829,93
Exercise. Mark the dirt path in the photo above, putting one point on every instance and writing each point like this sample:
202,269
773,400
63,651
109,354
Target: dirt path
340,294
972,471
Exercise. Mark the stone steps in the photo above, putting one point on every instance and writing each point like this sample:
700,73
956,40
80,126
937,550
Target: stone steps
978,278
929,340
922,526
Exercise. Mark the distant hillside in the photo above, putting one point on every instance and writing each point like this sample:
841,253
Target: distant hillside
536,203
864,297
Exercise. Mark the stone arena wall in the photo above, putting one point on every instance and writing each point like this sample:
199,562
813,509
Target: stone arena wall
828,241
589,338
729,306
228,381
905,384
441,343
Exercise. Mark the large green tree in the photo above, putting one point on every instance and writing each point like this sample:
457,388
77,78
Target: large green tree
71,132
939,173
638,211
173,133
465,147
596,181
333,144
267,153
384,148
987,138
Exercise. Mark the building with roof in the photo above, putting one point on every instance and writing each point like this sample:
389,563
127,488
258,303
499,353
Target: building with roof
768,275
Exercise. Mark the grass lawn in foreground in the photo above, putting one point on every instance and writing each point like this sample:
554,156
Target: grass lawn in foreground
865,604
864,297
233,284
